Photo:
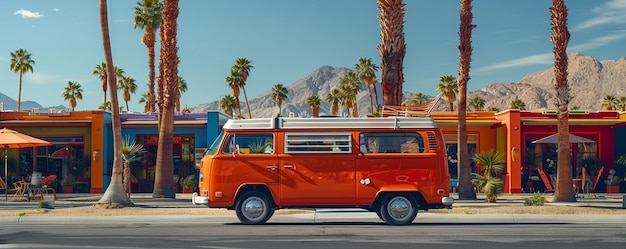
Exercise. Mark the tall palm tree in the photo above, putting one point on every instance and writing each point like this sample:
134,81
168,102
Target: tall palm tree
448,88
349,87
21,63
610,102
466,190
234,81
227,103
564,191
181,88
114,196
477,104
366,71
145,100
148,16
163,184
279,93
392,49
128,86
73,91
102,72
518,104
243,66
314,101
333,99
419,99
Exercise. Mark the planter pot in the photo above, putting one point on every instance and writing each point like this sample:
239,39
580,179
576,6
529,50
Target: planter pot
612,188
68,189
187,190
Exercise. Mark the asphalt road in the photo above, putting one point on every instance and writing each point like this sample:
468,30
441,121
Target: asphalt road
332,229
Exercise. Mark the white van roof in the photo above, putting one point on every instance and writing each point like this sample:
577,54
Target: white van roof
330,123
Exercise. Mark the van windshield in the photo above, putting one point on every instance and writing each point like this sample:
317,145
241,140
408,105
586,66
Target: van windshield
216,144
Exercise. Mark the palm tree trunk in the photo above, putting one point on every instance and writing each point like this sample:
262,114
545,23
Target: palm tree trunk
466,188
114,196
564,191
150,42
19,95
376,97
392,49
369,92
164,177
245,96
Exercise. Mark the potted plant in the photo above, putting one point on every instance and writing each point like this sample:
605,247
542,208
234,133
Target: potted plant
188,184
612,185
492,165
67,184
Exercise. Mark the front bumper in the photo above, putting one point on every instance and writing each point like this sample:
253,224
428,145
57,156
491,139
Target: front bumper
199,200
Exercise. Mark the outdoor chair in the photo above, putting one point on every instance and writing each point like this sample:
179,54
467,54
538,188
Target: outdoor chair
546,180
5,187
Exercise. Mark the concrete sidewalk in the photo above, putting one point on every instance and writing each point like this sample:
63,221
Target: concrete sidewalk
184,201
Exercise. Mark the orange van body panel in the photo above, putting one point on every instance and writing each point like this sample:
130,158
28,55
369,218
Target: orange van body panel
350,179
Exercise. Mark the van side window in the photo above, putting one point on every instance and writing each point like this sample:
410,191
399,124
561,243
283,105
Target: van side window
249,143
391,142
299,143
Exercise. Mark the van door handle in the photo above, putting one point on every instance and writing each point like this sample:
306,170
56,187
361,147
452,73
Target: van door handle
289,166
272,167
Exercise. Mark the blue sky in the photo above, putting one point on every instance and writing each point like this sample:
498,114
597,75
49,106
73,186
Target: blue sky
287,39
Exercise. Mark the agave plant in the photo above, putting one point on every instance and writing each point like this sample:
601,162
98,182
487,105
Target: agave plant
131,151
492,164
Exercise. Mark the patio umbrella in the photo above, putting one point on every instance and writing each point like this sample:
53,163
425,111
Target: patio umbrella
10,139
554,138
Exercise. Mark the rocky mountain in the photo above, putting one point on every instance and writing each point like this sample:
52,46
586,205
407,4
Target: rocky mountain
7,103
590,81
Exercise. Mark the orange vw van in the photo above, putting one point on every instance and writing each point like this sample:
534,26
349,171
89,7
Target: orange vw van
393,166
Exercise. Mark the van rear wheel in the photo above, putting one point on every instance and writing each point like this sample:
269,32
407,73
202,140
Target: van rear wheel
399,209
254,208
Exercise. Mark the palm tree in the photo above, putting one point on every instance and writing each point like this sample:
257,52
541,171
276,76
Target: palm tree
392,49
279,93
114,196
493,109
466,191
234,81
477,104
72,92
101,72
243,66
610,102
314,101
21,63
333,99
148,16
448,88
106,107
145,100
366,71
560,38
227,103
419,99
518,104
131,151
128,86
163,184
492,164
181,88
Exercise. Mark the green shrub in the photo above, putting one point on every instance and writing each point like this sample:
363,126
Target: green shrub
536,200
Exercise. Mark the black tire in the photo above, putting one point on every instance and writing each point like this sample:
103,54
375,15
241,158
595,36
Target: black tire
399,209
254,208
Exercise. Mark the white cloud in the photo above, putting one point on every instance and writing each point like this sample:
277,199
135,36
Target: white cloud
611,12
538,59
27,13
599,41
43,78
56,9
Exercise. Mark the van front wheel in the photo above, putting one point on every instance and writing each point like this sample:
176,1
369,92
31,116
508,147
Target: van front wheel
399,209
254,208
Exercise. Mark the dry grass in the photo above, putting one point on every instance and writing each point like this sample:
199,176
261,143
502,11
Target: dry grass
469,210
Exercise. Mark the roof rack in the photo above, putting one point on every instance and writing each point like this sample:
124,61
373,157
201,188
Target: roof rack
330,123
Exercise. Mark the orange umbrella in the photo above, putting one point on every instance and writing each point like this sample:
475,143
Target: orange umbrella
10,139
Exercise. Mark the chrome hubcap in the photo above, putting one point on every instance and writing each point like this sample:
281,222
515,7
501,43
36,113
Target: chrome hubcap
399,207
253,208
